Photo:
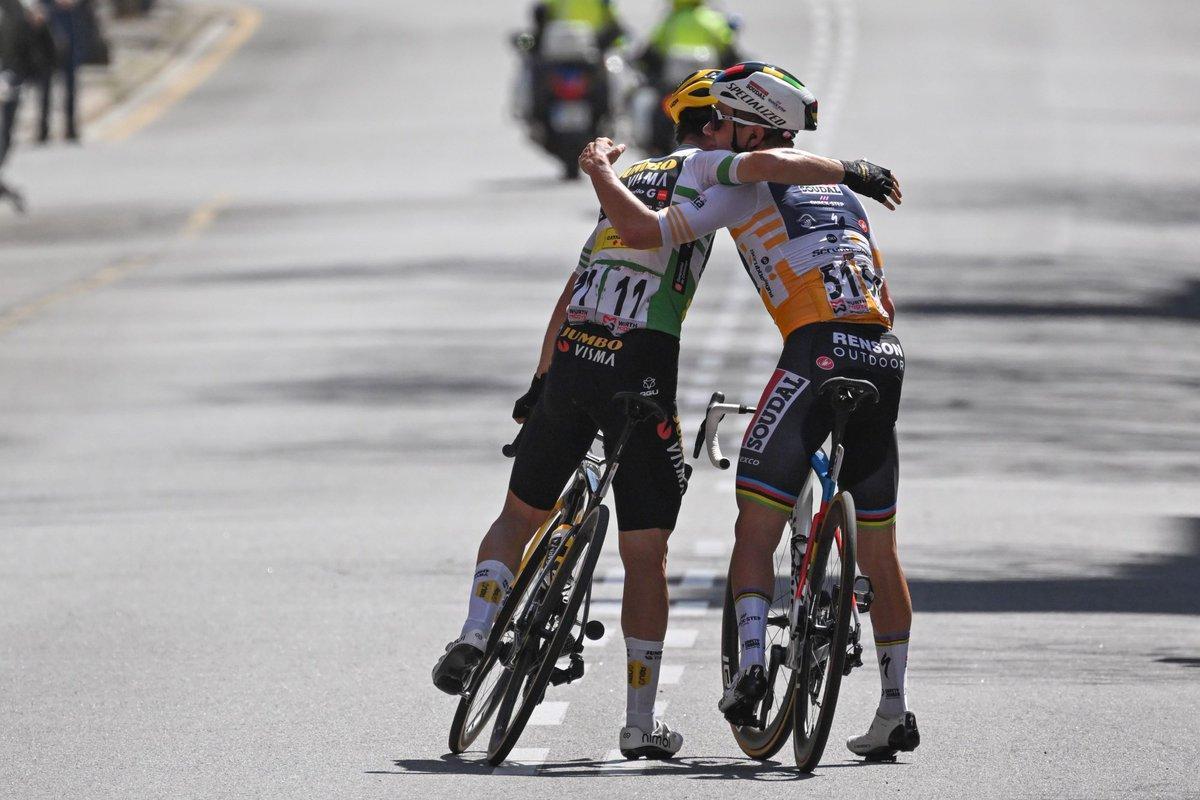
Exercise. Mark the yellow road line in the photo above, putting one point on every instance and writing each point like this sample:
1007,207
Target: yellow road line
197,222
203,216
245,22
15,316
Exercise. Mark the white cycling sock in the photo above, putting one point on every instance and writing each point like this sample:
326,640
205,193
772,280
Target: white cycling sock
642,661
751,609
492,579
892,651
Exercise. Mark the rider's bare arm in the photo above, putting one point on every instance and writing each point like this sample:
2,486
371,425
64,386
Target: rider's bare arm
787,165
634,221
557,318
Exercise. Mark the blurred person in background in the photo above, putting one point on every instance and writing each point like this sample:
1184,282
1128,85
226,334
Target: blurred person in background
690,37
690,31
62,19
598,15
17,61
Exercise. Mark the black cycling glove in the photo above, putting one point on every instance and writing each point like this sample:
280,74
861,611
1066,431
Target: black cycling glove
869,180
527,401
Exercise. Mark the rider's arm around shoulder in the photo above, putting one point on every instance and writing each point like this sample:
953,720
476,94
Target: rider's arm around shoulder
788,165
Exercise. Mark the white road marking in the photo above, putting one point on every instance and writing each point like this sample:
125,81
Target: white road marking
712,547
523,761
614,760
549,713
680,637
606,608
690,608
702,577
670,674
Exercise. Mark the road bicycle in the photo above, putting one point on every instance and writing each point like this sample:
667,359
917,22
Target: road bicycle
813,626
545,616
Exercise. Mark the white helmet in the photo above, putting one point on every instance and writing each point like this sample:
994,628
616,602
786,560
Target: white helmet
768,93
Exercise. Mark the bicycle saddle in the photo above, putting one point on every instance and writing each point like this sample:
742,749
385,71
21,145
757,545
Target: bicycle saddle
638,408
846,394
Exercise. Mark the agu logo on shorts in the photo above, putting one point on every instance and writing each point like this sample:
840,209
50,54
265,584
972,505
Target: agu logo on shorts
777,398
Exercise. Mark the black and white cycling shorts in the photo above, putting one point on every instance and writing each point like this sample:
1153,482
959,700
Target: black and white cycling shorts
791,425
589,367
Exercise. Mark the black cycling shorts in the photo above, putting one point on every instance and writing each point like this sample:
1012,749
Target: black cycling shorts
791,425
589,367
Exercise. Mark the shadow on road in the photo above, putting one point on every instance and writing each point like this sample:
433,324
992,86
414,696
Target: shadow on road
696,768
1168,585
1182,305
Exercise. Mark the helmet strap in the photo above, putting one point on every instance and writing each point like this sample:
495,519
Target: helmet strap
735,146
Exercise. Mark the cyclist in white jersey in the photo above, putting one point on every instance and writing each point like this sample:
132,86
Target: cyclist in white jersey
811,255
616,328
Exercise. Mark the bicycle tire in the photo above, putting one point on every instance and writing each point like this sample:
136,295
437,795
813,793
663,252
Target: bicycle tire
539,663
817,675
759,743
466,725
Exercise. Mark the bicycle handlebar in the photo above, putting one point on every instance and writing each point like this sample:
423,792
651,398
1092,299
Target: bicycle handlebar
707,435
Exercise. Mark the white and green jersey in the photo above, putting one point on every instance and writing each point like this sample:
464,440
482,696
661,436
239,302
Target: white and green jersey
622,288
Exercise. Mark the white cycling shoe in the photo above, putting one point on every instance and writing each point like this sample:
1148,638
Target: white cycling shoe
660,743
886,737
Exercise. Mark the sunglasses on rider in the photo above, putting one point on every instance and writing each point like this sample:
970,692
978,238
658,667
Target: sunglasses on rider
717,118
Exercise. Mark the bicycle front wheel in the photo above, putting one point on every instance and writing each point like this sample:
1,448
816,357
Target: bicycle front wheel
826,628
550,633
491,677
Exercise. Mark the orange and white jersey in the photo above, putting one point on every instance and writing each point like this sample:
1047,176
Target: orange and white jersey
808,249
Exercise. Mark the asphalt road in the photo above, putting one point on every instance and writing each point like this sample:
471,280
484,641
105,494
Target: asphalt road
257,357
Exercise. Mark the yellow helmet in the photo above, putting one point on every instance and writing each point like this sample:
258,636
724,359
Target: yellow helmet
692,92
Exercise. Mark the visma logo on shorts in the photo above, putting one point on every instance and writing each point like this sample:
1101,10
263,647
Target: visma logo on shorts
781,392
590,347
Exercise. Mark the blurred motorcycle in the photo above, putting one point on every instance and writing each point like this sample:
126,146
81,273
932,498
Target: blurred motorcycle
562,92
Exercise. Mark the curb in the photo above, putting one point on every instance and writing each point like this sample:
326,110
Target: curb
143,51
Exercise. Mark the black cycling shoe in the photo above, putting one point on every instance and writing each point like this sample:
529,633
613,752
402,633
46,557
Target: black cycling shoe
740,700
452,670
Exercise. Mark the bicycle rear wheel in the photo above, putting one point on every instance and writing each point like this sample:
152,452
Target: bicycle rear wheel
830,593
550,630
764,739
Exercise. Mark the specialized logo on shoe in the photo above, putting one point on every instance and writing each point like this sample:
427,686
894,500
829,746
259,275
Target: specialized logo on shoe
777,398
489,591
886,663
639,674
